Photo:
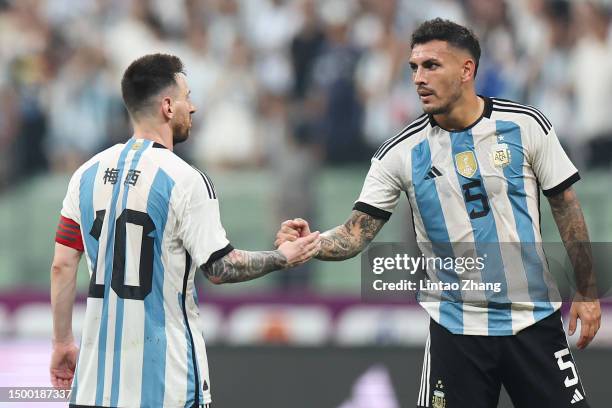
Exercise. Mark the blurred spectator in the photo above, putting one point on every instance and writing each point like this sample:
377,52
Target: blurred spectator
23,121
305,48
80,100
549,84
228,136
334,78
592,82
497,71
377,76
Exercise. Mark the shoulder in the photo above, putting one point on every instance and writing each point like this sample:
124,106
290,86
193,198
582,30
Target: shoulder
204,181
521,112
417,126
95,160
188,177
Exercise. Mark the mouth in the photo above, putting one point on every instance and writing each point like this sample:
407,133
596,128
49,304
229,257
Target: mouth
424,93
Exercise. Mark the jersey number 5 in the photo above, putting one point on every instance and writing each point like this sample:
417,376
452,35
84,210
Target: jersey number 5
145,270
469,197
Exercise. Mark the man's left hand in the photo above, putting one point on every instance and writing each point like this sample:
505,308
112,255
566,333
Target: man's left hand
589,313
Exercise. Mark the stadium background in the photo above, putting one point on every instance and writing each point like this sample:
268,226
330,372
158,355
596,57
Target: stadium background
293,98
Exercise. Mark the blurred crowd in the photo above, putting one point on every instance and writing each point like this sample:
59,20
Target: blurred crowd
285,84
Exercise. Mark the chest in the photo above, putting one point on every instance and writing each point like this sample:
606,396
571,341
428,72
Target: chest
490,162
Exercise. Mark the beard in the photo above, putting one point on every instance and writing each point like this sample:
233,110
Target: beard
180,133
447,105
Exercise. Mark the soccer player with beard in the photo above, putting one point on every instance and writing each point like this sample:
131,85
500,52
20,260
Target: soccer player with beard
472,168
147,222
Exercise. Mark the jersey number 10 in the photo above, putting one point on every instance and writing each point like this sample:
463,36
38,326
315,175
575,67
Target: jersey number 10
145,270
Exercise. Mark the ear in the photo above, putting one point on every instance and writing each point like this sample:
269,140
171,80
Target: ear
469,69
167,107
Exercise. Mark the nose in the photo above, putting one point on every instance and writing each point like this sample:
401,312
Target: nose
192,109
418,77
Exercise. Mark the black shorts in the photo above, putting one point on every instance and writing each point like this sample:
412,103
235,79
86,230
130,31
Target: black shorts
535,366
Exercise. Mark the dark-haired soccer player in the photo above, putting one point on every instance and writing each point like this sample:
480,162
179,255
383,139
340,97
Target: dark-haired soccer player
471,168
147,221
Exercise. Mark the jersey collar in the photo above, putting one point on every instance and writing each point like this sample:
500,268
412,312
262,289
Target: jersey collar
486,113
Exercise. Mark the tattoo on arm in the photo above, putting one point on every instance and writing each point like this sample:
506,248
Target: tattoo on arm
573,230
347,240
240,266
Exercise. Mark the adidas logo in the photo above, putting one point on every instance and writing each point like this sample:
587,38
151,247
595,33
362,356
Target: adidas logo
433,173
577,396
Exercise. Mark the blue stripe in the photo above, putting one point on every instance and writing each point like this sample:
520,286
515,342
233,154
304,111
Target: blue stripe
189,400
532,263
428,203
108,270
154,355
486,240
119,311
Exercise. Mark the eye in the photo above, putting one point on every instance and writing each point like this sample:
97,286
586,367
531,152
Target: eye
413,67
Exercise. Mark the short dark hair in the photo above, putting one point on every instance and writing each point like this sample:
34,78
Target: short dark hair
445,30
146,77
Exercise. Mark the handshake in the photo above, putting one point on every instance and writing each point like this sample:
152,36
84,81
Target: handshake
296,243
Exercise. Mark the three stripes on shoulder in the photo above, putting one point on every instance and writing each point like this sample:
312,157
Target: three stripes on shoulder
499,105
415,127
505,105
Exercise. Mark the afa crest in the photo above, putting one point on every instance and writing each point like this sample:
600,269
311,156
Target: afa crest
501,155
438,399
466,163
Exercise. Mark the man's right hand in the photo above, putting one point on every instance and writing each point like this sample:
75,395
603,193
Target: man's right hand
299,250
63,364
291,230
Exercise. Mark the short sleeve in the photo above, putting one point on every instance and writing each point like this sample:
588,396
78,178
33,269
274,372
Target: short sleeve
550,163
200,228
381,190
70,205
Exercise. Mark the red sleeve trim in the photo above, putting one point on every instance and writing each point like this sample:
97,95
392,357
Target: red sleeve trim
68,233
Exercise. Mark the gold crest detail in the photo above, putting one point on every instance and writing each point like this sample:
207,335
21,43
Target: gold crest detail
438,399
137,145
466,163
501,155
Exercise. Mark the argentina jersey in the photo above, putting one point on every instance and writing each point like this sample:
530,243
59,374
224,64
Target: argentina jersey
148,220
477,191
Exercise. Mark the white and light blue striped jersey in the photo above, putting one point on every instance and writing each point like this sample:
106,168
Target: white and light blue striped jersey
478,186
148,221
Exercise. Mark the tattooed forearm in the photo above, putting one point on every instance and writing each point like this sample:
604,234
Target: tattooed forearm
347,240
573,230
240,266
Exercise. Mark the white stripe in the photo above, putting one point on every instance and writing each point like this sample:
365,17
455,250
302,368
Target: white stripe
573,360
423,371
428,374
88,357
132,348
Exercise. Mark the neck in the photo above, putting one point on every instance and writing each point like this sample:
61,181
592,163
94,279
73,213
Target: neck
465,111
155,133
